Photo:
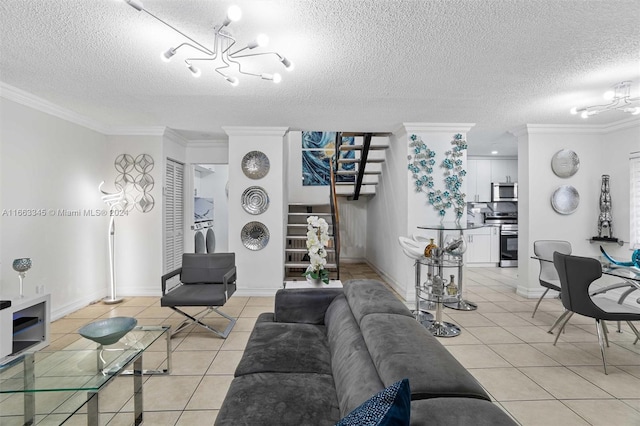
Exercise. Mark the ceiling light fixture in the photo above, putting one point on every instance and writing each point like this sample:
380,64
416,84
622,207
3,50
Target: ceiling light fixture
619,99
222,49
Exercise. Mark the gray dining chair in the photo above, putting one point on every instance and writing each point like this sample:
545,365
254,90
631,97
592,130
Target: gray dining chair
548,276
576,275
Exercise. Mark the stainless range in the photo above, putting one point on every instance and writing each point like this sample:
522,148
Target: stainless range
508,222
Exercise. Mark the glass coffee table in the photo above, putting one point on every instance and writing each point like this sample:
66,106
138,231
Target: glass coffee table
49,387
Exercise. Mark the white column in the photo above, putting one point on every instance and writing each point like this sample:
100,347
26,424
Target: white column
260,272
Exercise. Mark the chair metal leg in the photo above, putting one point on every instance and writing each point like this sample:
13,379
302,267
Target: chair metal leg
196,319
605,331
558,321
539,300
635,330
601,342
570,314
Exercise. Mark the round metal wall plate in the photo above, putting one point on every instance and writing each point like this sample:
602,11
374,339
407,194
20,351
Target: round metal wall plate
254,236
255,200
255,165
565,163
565,199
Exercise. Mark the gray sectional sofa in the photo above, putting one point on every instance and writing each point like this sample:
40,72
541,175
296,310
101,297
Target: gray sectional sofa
323,352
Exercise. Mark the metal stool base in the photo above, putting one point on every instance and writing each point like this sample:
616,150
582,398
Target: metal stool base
442,329
423,316
462,305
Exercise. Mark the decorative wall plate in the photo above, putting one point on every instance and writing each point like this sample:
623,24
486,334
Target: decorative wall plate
255,165
565,199
144,163
254,236
145,202
144,182
565,163
124,163
255,200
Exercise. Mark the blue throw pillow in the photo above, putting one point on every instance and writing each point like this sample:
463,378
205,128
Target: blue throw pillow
389,407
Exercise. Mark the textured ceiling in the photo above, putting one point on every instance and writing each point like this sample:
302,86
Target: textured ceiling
366,65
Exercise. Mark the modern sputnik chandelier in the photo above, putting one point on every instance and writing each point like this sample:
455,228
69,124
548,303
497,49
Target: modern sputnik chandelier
619,99
222,49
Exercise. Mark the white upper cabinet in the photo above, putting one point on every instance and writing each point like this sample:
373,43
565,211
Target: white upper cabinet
478,180
482,172
504,170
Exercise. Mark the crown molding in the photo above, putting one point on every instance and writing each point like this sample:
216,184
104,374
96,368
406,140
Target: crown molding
25,98
597,129
255,131
207,143
175,137
136,131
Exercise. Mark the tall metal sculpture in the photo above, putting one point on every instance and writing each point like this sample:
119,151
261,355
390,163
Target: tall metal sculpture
604,218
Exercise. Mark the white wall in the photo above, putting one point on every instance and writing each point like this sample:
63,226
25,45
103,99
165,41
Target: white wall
138,235
602,150
51,164
398,210
261,271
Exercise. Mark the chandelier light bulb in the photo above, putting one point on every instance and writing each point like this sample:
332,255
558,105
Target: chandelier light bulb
609,95
573,110
584,114
166,56
262,40
277,78
194,71
234,13
634,111
234,81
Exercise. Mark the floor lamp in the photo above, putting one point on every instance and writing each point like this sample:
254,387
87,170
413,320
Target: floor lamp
114,201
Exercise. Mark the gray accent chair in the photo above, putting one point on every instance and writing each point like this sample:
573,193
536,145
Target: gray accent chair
206,280
576,275
548,277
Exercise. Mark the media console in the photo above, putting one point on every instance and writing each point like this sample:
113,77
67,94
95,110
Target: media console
24,324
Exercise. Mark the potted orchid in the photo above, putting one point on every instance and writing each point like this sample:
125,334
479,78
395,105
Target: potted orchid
317,240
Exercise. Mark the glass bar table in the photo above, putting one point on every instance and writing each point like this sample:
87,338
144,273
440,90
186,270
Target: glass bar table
456,302
50,386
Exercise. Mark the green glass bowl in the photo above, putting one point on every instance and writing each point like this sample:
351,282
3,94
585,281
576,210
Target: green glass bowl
108,331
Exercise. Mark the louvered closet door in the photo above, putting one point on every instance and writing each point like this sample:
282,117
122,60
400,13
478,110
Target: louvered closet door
174,215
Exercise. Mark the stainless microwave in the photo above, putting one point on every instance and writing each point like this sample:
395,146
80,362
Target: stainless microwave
504,191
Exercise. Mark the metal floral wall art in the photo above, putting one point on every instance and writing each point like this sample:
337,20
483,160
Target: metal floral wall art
421,165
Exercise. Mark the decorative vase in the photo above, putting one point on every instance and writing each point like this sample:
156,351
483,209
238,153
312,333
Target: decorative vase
429,248
315,282
21,266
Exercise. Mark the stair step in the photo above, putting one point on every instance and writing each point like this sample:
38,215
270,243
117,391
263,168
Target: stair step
353,183
373,134
357,160
304,265
304,250
360,147
309,214
355,173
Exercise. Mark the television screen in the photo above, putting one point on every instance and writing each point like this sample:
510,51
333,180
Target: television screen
202,209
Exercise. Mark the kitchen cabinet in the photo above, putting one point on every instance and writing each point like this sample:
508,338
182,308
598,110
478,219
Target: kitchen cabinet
504,170
482,172
479,180
483,246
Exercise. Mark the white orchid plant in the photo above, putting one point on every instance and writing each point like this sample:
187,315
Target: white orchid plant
317,240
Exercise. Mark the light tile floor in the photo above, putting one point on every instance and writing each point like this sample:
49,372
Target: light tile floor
510,353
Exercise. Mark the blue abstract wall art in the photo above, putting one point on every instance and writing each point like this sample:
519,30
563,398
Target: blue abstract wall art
317,150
